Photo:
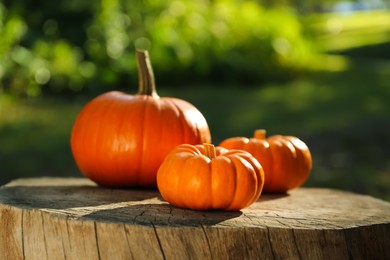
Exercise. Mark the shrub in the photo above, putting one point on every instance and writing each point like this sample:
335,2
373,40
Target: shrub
75,45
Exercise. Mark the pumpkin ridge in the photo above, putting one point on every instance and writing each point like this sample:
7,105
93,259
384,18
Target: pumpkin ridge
93,136
199,123
181,116
168,175
270,174
197,193
187,148
282,151
147,101
300,148
251,146
299,164
99,154
230,157
142,144
245,159
211,171
119,146
179,200
258,174
296,162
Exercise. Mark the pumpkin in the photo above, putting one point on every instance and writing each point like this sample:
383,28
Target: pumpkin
286,160
205,177
120,139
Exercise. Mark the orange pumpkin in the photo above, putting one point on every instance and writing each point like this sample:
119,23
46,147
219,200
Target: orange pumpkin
121,140
203,177
286,160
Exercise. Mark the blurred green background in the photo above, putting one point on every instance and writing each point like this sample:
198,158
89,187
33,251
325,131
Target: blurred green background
319,70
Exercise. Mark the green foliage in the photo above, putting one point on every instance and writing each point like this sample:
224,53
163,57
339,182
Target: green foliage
34,53
75,45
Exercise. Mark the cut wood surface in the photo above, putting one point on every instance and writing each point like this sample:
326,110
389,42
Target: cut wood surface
72,218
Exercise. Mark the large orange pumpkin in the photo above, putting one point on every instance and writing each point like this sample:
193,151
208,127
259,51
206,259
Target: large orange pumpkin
120,139
204,177
286,160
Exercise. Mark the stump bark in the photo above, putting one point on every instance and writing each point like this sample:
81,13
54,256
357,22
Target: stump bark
72,218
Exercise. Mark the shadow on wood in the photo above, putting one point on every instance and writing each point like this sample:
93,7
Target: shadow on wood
161,215
64,197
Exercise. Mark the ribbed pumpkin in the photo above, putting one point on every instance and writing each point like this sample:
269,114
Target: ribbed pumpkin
286,160
204,177
121,140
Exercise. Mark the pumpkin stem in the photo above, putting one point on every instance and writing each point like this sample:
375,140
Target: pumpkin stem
147,84
210,150
260,133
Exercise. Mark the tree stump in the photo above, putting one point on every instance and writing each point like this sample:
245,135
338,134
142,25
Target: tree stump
72,218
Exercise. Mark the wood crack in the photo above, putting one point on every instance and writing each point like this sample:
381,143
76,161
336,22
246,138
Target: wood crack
350,255
270,243
139,215
127,240
22,230
296,244
302,221
67,231
159,242
44,235
246,243
283,224
63,245
170,215
208,242
97,240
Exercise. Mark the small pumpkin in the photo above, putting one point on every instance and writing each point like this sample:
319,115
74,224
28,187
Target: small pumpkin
286,160
120,139
204,177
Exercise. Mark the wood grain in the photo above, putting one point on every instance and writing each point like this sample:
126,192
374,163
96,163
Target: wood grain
72,218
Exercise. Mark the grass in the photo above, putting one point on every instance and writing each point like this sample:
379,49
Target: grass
337,32
341,114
